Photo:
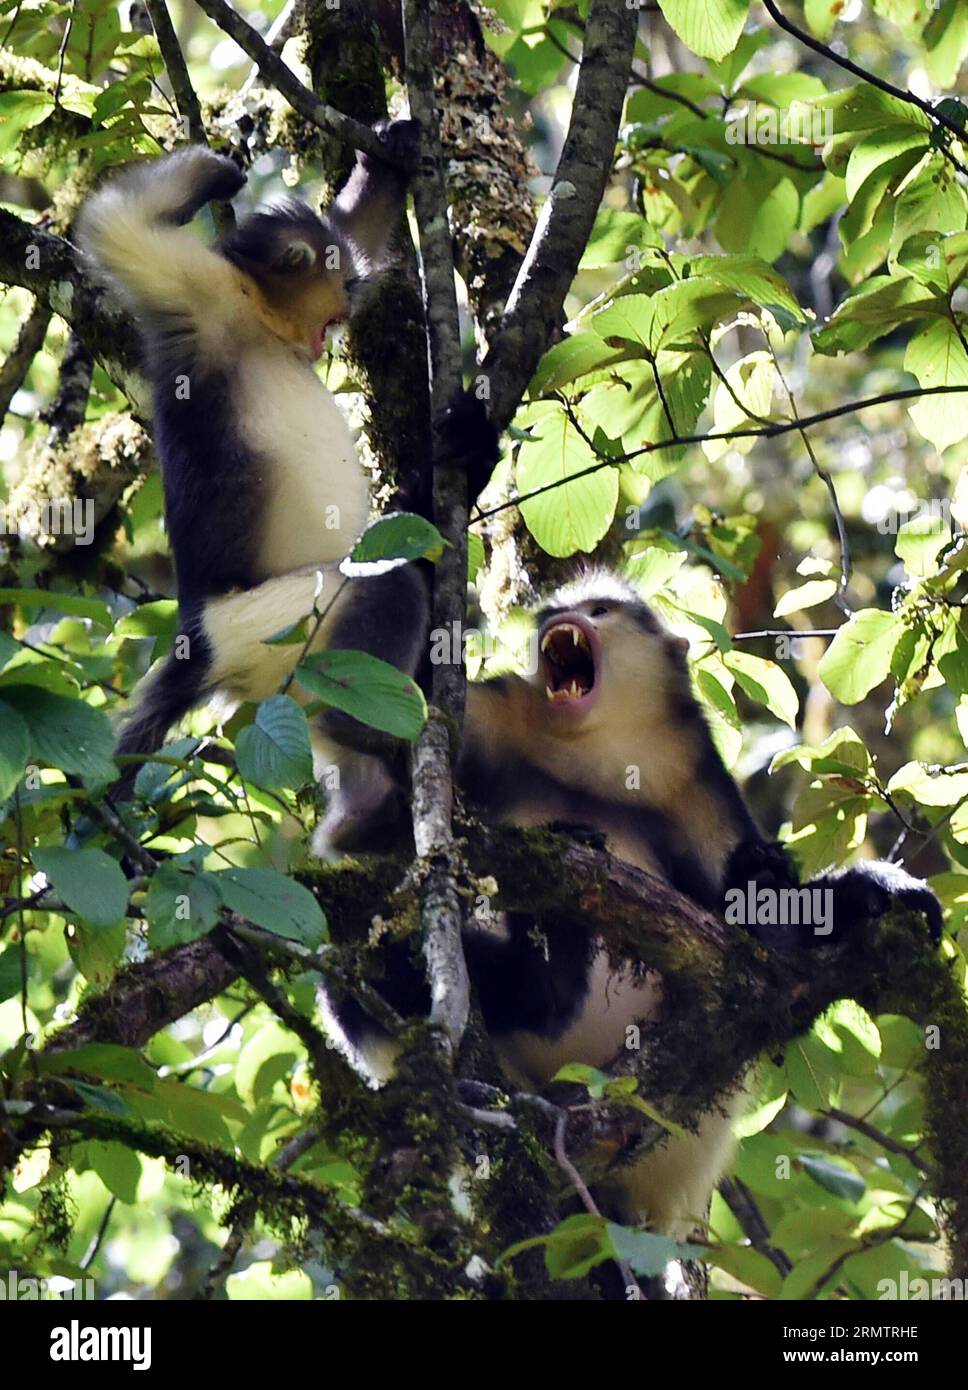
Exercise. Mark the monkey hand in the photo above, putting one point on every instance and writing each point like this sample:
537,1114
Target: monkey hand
870,889
205,176
825,910
401,139
468,439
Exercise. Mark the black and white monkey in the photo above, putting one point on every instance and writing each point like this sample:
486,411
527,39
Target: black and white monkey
610,697
264,489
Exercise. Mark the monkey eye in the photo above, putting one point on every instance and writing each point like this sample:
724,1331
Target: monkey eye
600,611
298,255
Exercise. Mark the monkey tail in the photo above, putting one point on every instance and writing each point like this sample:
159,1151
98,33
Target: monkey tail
165,697
119,224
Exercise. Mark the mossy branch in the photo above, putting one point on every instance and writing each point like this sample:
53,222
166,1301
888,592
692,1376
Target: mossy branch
728,999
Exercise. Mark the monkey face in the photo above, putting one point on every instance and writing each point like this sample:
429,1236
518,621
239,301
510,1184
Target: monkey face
605,661
302,267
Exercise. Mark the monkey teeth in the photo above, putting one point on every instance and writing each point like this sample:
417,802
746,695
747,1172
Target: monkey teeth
566,692
569,663
558,635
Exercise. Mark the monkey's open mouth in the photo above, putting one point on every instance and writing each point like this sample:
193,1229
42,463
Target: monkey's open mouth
569,660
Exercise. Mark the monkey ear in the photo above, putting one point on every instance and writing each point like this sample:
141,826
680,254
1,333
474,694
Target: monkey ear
297,256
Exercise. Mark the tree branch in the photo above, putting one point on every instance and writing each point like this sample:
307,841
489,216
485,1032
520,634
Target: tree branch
275,72
16,364
185,98
765,432
534,306
432,772
937,118
51,268
702,1045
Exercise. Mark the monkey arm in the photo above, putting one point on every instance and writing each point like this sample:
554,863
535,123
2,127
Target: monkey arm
131,228
847,896
371,202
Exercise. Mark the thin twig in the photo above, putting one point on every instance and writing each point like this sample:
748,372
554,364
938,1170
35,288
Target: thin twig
581,1187
186,99
300,98
18,361
742,1204
891,1146
938,118
765,432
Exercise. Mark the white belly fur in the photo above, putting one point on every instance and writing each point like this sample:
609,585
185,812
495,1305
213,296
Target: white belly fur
317,498
238,626
670,1188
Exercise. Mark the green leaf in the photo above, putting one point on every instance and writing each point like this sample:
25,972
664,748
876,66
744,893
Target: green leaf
882,305
758,281
878,148
73,605
10,980
117,1166
274,750
96,951
860,655
64,733
572,516
403,536
158,619
758,214
18,112
669,317
843,754
571,358
805,596
808,1069
929,786
822,15
829,823
749,1266
106,1061
864,107
14,749
833,1177
937,357
595,1080
765,682
181,906
275,902
820,1270
371,690
100,1098
919,542
946,42
648,1253
90,882
710,28
616,234
270,1053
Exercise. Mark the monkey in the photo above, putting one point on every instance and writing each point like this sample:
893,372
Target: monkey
264,490
605,736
